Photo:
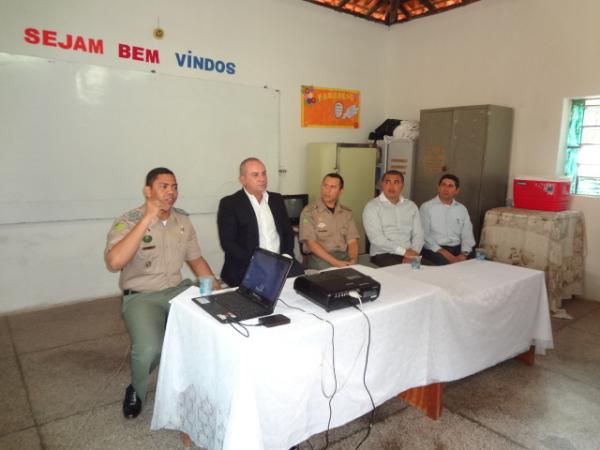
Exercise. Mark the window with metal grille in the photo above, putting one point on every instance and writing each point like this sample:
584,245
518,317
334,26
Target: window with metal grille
582,163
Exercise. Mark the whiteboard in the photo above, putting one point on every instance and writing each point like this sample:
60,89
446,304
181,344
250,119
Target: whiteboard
77,140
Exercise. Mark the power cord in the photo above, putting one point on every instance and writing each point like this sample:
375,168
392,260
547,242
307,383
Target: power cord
335,382
356,295
245,332
370,426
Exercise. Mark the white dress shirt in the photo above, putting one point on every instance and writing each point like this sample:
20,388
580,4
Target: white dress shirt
392,228
446,225
268,237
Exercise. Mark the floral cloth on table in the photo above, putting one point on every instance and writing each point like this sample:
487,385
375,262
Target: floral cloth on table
545,240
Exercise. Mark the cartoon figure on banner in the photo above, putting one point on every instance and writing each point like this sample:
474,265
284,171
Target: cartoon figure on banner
329,107
351,111
309,95
338,111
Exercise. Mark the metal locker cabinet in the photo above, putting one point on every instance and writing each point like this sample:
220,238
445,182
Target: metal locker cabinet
472,142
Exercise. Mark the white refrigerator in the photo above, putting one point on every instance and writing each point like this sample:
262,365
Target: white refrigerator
397,154
355,163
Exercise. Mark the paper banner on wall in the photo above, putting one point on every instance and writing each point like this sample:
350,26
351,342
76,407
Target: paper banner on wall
326,107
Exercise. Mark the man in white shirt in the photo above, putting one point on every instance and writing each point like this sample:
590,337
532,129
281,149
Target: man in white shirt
253,217
392,223
446,224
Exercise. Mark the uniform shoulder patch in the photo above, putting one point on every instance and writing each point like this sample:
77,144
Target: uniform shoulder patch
134,215
119,226
181,211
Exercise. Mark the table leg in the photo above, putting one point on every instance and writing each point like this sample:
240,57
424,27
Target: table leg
426,398
185,440
527,357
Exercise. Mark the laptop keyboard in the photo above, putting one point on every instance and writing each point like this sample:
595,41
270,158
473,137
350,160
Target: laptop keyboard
232,303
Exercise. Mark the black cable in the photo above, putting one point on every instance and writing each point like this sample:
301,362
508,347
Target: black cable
335,383
246,334
365,378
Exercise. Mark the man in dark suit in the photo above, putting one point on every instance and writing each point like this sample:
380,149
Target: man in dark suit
250,218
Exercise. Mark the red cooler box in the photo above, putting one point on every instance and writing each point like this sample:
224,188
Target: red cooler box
546,194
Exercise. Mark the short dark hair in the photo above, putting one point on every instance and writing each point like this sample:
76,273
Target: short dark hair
335,175
155,173
449,176
393,172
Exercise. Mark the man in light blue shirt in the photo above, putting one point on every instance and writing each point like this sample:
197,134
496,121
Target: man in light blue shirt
392,223
446,224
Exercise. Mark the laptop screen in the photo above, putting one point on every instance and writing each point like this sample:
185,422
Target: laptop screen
266,275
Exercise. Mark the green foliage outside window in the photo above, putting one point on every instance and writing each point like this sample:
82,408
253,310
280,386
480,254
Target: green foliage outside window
582,162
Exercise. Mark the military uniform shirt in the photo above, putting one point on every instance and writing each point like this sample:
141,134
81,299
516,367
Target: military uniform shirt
161,253
332,231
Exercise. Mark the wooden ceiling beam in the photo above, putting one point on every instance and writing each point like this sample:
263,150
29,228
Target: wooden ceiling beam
392,14
374,8
393,6
402,8
431,9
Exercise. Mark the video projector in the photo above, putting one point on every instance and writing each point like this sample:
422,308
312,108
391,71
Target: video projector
331,289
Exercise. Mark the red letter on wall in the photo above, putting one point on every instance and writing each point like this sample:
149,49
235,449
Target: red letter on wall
152,56
49,38
96,46
138,53
32,36
124,51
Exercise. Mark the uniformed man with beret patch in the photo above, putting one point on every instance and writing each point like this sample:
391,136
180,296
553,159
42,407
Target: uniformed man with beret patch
149,245
327,228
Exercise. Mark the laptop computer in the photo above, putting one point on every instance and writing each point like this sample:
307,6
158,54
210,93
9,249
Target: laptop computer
257,294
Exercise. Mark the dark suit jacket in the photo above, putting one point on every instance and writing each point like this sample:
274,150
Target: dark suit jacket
238,232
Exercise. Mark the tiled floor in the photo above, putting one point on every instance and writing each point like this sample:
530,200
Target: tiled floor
63,372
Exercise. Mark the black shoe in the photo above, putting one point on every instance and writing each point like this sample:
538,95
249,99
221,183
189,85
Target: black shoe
132,405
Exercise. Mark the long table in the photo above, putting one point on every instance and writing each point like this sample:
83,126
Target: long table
489,312
271,390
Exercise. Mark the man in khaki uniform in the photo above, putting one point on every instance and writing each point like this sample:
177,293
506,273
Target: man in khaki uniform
149,245
327,228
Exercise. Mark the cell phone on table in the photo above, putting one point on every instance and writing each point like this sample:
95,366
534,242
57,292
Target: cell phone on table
274,320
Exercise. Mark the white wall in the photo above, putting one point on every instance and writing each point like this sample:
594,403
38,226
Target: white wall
279,43
529,55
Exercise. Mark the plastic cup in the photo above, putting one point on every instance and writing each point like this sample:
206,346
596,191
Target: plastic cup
480,254
415,262
206,285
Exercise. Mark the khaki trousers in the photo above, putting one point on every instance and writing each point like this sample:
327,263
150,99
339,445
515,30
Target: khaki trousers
319,264
145,315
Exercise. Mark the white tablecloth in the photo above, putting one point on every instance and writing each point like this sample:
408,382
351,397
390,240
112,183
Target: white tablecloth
489,312
268,391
